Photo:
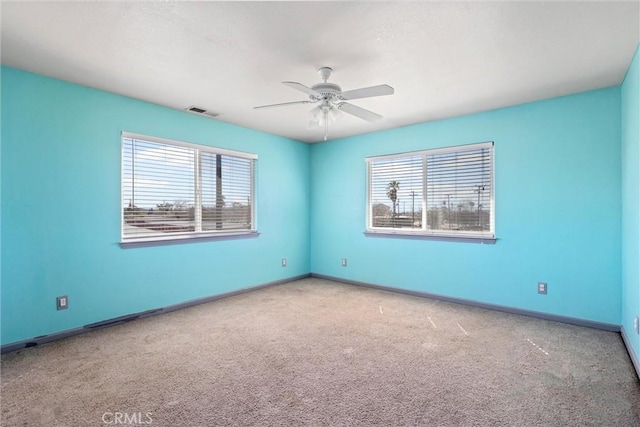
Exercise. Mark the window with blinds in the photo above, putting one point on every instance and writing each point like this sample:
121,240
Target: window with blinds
442,192
174,190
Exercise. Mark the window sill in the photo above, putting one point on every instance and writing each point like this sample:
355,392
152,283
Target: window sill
488,240
176,240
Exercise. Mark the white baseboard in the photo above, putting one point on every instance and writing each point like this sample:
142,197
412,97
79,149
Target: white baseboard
632,354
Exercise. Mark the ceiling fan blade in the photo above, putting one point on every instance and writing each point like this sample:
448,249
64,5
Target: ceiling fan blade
282,104
302,88
359,112
367,92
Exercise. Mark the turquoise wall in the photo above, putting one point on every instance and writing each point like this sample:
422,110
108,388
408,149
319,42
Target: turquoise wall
631,201
557,180
61,210
558,209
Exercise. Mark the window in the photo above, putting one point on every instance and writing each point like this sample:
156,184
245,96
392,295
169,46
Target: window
442,193
179,191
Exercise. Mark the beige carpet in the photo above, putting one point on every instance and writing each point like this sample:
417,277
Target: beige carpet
315,352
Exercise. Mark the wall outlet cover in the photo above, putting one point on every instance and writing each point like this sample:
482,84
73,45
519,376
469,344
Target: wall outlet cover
284,262
62,302
344,262
542,288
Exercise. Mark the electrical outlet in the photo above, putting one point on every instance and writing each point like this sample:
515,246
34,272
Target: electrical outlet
284,262
636,325
542,288
62,303
344,262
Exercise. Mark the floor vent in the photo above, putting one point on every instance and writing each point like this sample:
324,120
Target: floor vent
201,111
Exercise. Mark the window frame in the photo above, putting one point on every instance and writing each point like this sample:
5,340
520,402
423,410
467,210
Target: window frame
189,236
423,232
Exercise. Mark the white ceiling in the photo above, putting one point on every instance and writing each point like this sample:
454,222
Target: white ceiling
443,59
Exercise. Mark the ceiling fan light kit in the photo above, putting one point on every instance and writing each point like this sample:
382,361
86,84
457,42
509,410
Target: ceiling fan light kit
331,99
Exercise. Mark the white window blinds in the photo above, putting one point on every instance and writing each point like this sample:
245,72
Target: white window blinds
396,192
173,189
459,190
226,192
441,192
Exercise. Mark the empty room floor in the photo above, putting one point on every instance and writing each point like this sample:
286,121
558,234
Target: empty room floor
317,352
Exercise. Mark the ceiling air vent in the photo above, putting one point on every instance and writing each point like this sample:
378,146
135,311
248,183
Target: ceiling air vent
201,111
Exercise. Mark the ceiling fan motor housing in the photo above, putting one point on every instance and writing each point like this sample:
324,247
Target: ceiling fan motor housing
327,90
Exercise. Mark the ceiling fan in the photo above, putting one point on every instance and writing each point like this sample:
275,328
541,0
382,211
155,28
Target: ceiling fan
330,99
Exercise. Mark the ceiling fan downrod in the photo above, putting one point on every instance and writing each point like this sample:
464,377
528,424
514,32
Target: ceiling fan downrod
325,73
